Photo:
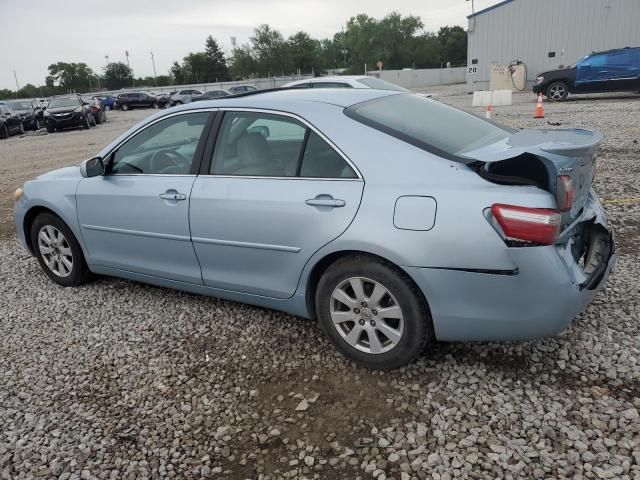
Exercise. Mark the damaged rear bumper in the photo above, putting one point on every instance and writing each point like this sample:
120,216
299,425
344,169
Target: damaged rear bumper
548,289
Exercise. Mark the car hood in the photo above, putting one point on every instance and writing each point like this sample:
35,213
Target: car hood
61,109
65,172
20,112
558,73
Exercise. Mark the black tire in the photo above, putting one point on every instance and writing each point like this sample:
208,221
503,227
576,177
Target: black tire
402,292
85,122
4,132
557,91
79,272
124,107
50,129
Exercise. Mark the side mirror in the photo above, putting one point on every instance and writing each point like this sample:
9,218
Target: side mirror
92,167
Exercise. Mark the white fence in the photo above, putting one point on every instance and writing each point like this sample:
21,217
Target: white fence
425,77
259,83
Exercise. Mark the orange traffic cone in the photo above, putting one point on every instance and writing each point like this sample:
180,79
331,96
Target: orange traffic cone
539,110
489,111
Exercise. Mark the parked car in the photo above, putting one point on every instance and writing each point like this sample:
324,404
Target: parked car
351,81
242,89
67,111
107,101
472,232
28,111
10,123
610,71
97,109
125,101
210,95
164,99
183,96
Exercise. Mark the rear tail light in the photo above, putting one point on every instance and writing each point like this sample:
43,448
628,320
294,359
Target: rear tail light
537,225
565,192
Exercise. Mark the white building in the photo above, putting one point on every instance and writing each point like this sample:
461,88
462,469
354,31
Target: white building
547,34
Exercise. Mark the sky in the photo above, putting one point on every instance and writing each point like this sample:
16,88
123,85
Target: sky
37,33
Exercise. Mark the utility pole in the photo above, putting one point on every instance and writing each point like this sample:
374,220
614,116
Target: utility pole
15,75
153,61
106,57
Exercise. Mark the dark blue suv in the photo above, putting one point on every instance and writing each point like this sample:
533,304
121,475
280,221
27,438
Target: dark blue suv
610,71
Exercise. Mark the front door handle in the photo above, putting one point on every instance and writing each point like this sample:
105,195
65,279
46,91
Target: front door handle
326,202
173,195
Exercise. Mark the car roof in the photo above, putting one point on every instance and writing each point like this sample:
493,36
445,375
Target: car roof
294,100
615,50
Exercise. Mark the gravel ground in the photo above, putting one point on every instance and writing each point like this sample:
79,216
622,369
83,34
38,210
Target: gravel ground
123,380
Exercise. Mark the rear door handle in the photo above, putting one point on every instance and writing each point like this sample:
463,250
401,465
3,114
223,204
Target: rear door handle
326,202
173,195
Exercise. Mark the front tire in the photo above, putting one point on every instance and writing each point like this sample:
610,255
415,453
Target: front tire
557,92
4,132
50,129
372,312
124,107
58,251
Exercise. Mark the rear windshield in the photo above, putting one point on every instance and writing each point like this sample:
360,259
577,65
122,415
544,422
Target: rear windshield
428,124
378,84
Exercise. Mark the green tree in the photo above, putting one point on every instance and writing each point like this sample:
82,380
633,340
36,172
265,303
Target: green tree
217,67
306,53
70,76
453,42
117,75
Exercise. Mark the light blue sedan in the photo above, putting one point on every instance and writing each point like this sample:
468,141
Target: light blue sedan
392,219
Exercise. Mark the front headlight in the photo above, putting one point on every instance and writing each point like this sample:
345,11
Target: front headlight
17,195
78,110
539,79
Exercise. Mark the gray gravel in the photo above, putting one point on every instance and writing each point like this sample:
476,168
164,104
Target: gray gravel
122,380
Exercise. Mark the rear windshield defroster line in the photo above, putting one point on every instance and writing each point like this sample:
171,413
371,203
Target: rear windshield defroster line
429,125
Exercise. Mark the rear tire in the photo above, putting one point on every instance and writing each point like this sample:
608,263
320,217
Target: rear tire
4,132
383,322
557,92
50,129
58,251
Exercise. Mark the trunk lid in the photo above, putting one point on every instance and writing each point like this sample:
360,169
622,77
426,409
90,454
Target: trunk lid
539,157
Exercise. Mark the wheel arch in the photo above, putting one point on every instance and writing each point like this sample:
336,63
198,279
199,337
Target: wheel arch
326,261
36,210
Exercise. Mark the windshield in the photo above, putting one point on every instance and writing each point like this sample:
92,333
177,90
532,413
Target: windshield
428,124
20,105
378,84
63,102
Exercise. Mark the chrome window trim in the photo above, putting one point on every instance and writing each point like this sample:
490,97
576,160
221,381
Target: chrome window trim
143,128
304,122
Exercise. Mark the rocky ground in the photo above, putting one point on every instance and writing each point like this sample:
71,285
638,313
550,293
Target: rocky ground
123,380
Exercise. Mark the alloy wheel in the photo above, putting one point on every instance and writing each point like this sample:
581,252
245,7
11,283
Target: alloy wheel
55,250
366,315
556,92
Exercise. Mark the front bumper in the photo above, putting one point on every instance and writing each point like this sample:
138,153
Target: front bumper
539,299
74,120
